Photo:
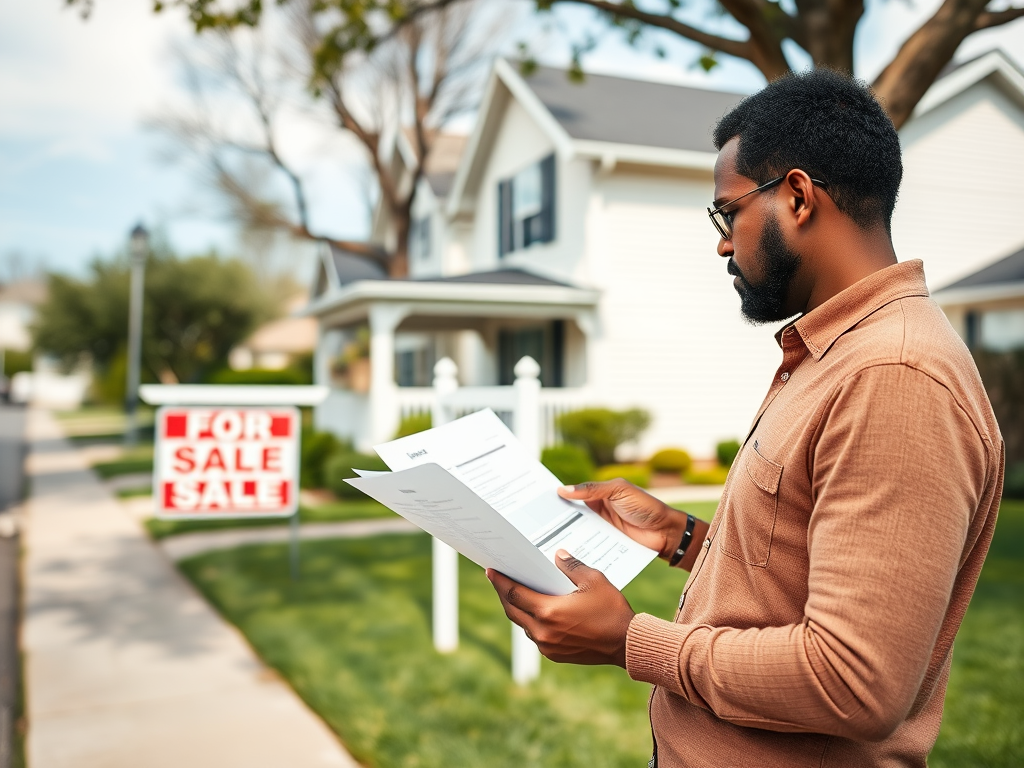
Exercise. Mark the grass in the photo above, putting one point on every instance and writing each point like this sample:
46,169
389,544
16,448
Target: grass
353,638
131,462
337,511
983,723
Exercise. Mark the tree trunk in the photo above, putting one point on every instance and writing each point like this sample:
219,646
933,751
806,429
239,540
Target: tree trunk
904,81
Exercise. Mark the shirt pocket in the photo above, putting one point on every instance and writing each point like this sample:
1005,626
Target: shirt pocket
749,521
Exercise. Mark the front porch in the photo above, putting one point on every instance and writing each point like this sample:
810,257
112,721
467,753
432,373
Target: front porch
379,339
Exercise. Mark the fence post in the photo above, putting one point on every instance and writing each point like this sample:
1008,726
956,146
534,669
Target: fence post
445,560
526,420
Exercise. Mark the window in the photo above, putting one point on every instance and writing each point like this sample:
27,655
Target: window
1002,330
526,207
419,238
545,344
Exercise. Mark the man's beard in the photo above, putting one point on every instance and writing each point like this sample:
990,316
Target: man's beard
765,302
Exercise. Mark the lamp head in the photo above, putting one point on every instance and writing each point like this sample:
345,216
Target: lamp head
139,242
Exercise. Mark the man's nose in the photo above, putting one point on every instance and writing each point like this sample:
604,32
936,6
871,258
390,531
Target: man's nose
725,247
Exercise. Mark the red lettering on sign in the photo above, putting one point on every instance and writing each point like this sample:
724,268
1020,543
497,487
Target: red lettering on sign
284,492
249,487
175,424
280,426
169,496
185,459
272,459
214,461
239,464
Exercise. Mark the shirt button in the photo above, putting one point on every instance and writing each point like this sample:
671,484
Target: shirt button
707,543
784,376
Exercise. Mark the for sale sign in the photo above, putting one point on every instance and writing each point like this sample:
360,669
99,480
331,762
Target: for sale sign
226,461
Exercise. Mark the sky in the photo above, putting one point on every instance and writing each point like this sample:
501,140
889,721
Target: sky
80,164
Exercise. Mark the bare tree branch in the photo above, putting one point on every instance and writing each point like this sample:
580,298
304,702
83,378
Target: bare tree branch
990,19
904,81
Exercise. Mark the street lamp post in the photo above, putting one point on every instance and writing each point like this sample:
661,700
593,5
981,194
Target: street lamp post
139,250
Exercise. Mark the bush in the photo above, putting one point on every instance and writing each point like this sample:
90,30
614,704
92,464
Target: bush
637,474
713,476
726,452
569,463
674,460
1013,481
314,452
339,466
413,423
16,361
260,376
599,431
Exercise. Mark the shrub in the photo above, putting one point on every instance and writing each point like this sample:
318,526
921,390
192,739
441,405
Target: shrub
599,431
314,451
413,423
674,460
713,476
1013,482
637,474
339,466
726,452
569,463
260,376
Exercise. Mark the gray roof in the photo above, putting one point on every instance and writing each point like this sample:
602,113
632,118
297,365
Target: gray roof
497,276
351,267
625,111
1006,270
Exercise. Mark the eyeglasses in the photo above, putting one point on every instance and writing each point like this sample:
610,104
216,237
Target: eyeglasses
723,220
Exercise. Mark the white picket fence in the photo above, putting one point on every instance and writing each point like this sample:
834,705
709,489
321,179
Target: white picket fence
523,408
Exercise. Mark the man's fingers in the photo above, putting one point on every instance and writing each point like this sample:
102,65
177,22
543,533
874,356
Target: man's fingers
517,600
591,491
578,572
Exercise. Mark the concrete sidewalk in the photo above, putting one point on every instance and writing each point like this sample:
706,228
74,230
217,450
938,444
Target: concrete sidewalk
125,665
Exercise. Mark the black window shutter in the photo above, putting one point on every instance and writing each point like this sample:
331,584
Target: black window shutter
547,198
505,243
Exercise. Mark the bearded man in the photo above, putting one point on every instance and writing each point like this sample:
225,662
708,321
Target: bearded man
816,626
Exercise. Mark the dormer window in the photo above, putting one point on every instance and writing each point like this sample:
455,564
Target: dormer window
526,207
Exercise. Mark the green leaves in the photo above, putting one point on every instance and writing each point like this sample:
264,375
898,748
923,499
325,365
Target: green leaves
195,310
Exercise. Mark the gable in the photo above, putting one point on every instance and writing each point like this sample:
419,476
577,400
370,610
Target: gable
961,197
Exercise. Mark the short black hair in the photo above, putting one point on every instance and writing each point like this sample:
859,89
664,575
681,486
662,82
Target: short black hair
828,125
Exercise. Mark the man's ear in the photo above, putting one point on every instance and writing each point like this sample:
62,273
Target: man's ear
801,196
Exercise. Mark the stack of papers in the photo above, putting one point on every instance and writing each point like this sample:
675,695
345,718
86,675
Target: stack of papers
472,485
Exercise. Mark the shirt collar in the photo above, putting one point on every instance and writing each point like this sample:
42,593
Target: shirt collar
820,327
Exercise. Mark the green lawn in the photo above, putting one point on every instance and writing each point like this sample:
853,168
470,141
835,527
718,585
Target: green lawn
984,718
336,511
353,638
134,461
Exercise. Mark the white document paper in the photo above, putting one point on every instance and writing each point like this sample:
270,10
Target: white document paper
511,512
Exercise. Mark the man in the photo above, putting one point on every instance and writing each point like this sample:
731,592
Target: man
817,623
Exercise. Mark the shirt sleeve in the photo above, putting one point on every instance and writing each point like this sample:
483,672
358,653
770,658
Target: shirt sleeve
895,485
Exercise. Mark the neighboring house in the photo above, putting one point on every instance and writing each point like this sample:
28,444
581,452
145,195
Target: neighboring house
279,343
575,230
46,384
987,306
18,302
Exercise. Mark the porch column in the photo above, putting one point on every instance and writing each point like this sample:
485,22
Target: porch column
384,318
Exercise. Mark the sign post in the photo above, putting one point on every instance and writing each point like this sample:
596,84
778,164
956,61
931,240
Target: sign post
226,452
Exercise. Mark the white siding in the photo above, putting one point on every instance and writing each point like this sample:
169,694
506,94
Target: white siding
520,142
671,338
962,198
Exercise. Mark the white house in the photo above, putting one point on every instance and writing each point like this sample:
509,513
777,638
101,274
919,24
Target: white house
574,229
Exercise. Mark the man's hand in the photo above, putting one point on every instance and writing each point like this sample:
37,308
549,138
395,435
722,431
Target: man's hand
587,627
636,513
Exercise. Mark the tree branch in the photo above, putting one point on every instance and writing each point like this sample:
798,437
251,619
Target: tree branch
904,81
990,19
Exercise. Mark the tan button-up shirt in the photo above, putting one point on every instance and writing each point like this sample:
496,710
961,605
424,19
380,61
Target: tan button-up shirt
816,627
